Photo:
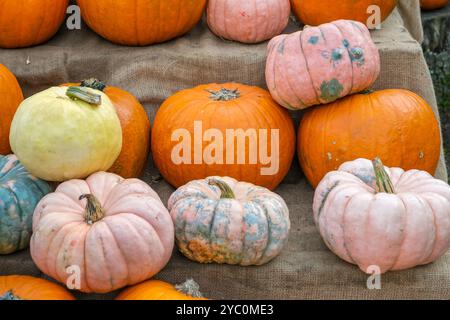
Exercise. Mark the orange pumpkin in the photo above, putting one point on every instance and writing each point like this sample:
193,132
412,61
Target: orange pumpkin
223,130
140,23
433,4
314,12
30,288
135,130
25,23
396,125
10,98
160,290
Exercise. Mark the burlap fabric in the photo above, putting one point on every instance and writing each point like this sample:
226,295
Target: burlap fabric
305,269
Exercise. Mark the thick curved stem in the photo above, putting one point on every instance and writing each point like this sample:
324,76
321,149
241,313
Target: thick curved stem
190,288
227,192
224,94
80,93
384,183
9,296
94,211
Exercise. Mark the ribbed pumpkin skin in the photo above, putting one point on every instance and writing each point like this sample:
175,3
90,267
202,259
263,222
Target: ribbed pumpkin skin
433,4
392,231
254,109
20,192
31,288
396,125
154,290
10,96
314,13
130,244
250,229
25,23
321,64
141,23
250,21
135,133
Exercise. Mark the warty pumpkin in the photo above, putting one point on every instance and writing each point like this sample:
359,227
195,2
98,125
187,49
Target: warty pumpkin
321,64
374,216
433,4
141,23
222,220
250,21
116,231
10,96
313,12
19,194
160,290
25,23
64,133
396,125
31,288
135,129
223,129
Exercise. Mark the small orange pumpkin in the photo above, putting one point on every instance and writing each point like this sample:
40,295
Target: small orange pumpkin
396,125
160,290
433,4
10,96
135,130
31,288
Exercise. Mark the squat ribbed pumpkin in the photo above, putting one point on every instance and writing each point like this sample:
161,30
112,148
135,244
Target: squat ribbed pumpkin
250,21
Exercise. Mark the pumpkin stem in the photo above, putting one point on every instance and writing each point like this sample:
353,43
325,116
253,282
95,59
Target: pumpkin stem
190,288
94,211
227,192
224,94
9,296
367,91
79,93
384,183
93,84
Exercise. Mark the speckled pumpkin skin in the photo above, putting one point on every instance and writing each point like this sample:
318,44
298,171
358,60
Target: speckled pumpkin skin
321,64
249,230
19,194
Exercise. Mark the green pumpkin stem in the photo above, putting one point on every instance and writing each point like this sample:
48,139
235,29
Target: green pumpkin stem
384,183
190,288
224,94
9,296
227,192
93,84
80,93
94,211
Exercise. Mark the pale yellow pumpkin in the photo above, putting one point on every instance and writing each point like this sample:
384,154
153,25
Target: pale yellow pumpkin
57,137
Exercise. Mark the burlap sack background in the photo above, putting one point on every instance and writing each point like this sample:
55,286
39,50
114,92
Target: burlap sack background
305,269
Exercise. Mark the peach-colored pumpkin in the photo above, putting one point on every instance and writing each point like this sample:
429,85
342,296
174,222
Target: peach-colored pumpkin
249,21
371,215
116,231
321,64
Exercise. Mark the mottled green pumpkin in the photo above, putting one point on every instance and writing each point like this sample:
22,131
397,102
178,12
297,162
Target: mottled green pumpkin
19,194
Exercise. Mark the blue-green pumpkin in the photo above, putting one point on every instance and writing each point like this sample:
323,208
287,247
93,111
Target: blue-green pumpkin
20,192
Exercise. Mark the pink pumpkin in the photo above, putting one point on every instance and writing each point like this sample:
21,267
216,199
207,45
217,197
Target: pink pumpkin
116,231
370,215
321,64
249,21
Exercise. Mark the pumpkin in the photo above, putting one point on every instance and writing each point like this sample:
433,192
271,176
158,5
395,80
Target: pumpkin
433,4
370,215
25,23
116,231
10,96
141,23
160,290
313,12
321,64
31,288
222,220
223,129
250,21
19,194
396,125
135,129
64,133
